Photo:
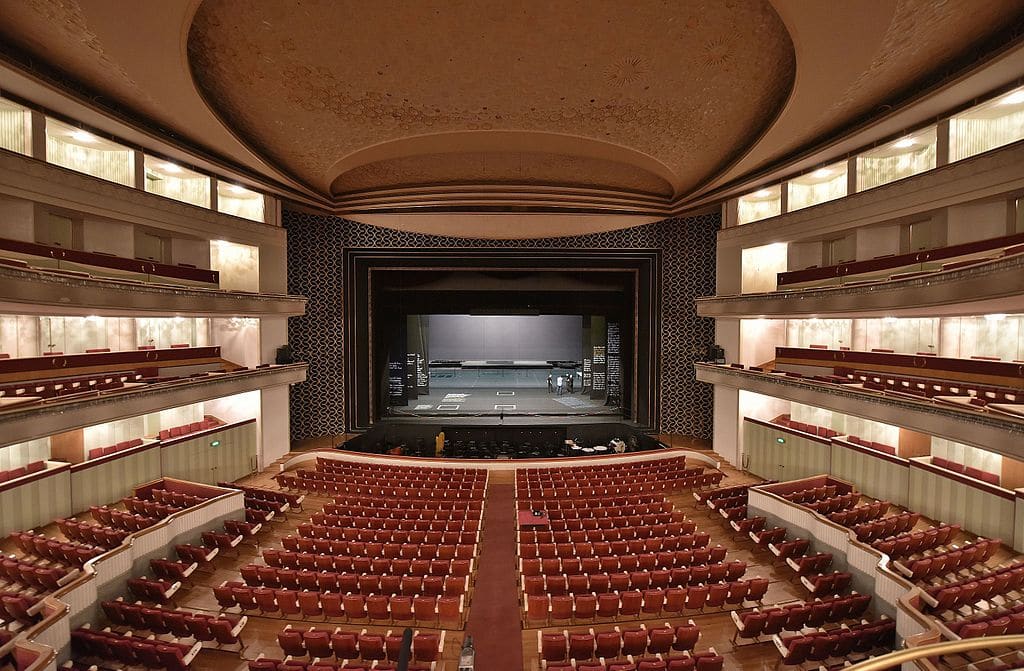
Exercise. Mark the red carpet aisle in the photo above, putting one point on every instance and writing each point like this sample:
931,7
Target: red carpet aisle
494,615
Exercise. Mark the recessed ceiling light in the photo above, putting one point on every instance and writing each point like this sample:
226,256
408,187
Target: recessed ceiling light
763,193
904,143
822,172
1015,98
171,167
83,135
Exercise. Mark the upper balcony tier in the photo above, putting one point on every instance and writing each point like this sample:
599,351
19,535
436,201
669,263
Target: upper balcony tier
128,393
79,292
953,417
992,283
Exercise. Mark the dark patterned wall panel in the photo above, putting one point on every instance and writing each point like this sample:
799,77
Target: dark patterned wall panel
316,245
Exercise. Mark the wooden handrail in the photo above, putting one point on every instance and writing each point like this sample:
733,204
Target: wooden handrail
110,261
897,261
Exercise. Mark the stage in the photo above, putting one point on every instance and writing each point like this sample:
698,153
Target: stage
474,401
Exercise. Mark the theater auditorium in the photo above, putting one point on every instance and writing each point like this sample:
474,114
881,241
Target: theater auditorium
574,335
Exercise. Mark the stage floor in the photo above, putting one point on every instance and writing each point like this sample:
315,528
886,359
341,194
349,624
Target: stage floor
510,401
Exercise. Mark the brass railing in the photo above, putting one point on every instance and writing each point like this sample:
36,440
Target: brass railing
1015,642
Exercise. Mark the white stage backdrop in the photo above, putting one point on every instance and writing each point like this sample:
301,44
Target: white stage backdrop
504,337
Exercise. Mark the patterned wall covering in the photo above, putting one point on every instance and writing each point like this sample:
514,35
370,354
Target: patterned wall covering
316,245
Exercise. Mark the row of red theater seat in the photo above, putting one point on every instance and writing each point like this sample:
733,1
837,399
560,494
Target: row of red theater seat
101,535
45,578
721,493
584,531
967,591
255,574
614,562
969,471
68,386
860,514
176,499
914,542
886,526
708,660
930,387
949,561
293,500
819,646
375,607
22,471
132,650
993,622
201,627
600,583
366,583
749,525
621,468
97,452
265,505
734,513
615,644
791,548
820,431
810,564
768,537
625,484
343,548
387,535
371,561
422,513
580,504
380,503
614,516
372,468
153,591
399,479
191,427
555,491
18,607
841,502
606,475
262,663
149,508
345,645
68,553
358,645
544,608
325,519
799,616
389,490
172,570
874,445
812,494
727,501
825,584
112,517
631,540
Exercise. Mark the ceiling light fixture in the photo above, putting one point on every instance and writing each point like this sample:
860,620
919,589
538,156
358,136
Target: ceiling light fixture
1015,98
904,143
171,167
83,135
821,172
763,193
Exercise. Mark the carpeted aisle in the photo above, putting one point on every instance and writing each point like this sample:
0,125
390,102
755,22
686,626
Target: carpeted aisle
494,615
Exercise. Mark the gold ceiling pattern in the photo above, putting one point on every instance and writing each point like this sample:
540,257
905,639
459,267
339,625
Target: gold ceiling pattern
688,84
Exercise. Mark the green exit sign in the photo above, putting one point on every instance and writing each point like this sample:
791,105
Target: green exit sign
215,443
780,440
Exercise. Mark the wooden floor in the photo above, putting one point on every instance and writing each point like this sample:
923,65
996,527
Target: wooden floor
717,629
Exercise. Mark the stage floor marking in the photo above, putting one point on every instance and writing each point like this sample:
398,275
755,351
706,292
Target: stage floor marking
448,406
504,407
505,393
